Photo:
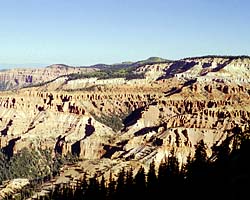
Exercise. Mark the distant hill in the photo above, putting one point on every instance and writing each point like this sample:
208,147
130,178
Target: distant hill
150,60
219,56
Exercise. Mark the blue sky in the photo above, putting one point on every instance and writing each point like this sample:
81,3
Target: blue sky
84,32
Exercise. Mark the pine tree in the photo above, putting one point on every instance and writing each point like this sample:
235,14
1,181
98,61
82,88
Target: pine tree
174,178
237,136
79,192
56,193
84,184
66,194
172,165
120,187
151,179
93,188
140,183
239,170
219,177
162,174
111,188
199,170
103,190
200,157
129,184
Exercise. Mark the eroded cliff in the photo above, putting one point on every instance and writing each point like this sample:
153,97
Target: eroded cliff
18,78
131,122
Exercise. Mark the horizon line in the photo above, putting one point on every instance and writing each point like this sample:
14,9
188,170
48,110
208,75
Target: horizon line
6,66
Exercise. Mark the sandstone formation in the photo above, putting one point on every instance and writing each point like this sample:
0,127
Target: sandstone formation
17,78
177,104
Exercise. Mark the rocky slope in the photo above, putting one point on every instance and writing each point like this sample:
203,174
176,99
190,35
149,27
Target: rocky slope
18,78
114,123
26,77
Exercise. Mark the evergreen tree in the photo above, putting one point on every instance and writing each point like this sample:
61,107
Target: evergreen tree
93,188
111,187
129,184
187,180
162,175
66,194
174,179
199,170
103,190
169,176
237,136
79,192
120,186
239,171
173,167
56,193
220,167
84,184
151,180
140,183
200,157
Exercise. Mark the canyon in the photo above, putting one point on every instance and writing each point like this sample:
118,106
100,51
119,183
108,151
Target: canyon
116,123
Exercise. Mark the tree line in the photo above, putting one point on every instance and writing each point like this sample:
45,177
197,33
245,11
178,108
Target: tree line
224,175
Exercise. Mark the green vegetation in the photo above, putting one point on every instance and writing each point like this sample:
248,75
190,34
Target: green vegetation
113,121
123,70
109,73
32,164
42,83
36,165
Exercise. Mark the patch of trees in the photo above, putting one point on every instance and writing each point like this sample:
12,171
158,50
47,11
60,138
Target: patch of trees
36,165
109,73
114,120
122,70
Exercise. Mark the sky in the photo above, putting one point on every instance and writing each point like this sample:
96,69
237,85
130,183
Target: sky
85,32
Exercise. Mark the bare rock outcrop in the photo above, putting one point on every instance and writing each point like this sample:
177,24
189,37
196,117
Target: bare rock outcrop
18,78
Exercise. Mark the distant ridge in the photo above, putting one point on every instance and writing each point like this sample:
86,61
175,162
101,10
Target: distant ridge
61,66
152,68
150,60
219,56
